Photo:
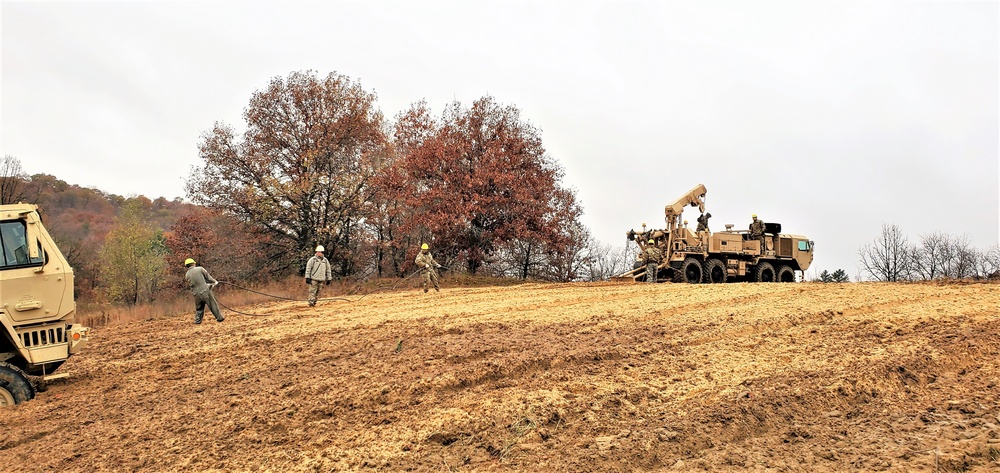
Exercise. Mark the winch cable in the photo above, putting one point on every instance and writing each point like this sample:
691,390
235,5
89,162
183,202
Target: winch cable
298,300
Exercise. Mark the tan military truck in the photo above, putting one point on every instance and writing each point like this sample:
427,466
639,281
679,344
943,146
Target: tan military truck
695,256
37,310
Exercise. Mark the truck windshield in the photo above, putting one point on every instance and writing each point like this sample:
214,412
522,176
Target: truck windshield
15,246
803,245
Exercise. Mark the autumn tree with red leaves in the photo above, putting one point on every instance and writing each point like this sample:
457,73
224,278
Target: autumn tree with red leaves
302,169
479,179
232,250
390,212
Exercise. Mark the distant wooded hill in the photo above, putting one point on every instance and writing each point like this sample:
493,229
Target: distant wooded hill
80,218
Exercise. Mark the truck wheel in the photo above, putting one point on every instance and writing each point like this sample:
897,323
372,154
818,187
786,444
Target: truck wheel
715,271
784,273
14,385
692,270
764,273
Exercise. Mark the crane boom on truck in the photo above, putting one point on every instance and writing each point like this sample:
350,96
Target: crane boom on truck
37,309
727,256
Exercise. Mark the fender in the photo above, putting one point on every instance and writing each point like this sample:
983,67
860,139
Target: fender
11,336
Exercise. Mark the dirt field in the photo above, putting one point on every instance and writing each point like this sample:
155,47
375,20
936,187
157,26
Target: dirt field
570,377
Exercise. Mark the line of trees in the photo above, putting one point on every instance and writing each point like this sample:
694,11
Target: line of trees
938,255
319,164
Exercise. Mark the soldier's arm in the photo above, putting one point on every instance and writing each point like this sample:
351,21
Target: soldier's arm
208,277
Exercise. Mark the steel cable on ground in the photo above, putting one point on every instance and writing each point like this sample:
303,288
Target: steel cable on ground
297,300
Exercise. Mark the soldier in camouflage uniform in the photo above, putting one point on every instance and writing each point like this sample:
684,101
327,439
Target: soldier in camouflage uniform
757,232
201,284
651,256
703,223
318,271
425,261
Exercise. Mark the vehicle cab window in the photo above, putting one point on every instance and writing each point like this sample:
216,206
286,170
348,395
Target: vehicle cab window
13,238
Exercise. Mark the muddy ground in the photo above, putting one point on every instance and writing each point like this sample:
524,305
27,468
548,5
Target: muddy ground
539,377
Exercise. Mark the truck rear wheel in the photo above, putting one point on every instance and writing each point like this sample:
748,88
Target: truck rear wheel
715,271
784,273
692,270
14,385
764,272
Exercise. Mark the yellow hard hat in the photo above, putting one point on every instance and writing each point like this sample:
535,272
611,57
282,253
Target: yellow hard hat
425,247
754,216
651,240
188,261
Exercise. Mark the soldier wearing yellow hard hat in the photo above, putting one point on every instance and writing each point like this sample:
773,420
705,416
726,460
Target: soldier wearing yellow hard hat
652,255
201,284
425,261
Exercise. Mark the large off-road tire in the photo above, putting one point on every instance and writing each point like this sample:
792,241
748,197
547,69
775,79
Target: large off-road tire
715,271
784,273
14,385
692,270
764,272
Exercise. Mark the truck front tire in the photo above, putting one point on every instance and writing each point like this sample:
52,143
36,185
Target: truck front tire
14,385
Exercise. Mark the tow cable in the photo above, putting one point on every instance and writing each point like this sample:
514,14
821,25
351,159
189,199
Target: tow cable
297,300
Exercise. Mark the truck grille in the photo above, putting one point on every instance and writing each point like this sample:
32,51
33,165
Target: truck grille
43,337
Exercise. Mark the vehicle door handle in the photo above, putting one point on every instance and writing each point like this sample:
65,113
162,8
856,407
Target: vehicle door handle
28,305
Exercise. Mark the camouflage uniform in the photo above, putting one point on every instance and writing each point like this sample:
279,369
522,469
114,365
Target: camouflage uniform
201,284
427,264
318,271
757,233
703,223
651,255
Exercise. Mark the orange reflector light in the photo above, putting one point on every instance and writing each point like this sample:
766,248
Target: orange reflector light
76,336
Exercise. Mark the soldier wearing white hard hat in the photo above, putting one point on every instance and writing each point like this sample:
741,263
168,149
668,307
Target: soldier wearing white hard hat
318,272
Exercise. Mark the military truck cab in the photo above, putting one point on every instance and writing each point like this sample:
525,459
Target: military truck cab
37,309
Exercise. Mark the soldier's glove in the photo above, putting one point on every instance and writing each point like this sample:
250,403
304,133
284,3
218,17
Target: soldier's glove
309,281
327,282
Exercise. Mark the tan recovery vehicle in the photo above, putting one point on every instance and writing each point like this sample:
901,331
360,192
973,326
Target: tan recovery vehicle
732,255
37,333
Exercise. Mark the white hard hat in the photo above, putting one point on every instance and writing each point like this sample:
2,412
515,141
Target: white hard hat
320,248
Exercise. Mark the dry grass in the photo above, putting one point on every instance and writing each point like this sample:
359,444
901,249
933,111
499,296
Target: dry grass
101,314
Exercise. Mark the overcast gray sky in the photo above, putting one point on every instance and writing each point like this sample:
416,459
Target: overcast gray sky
830,118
